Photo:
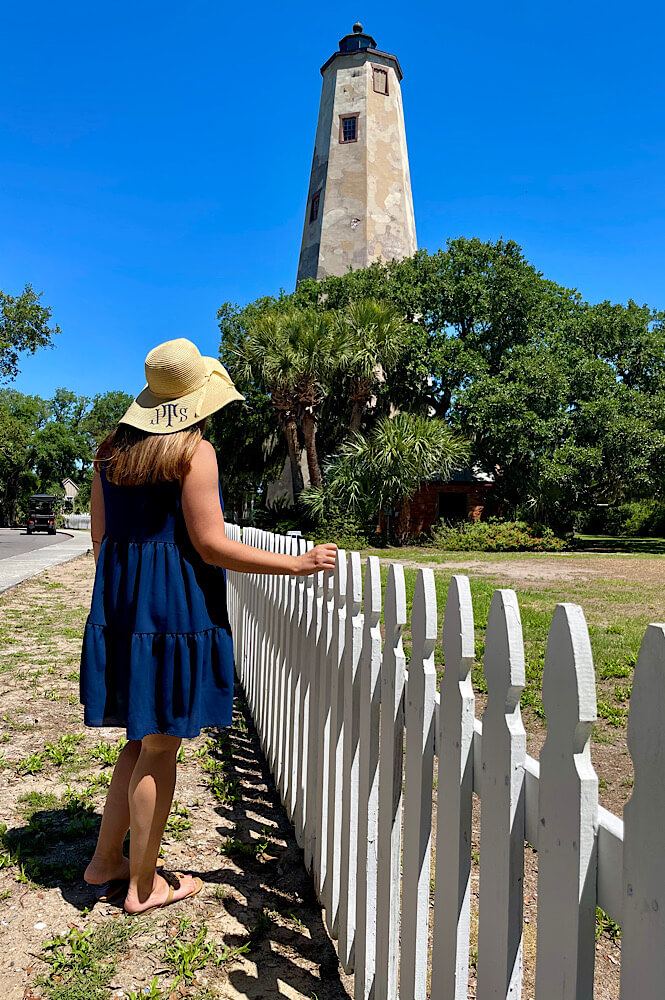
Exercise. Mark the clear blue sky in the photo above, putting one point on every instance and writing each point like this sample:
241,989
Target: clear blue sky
155,156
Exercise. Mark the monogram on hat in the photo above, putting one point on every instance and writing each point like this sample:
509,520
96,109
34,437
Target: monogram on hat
182,388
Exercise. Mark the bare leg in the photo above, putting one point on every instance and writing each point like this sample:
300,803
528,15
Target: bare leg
150,795
108,861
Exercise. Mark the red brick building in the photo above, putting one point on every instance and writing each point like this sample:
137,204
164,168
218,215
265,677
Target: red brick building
464,497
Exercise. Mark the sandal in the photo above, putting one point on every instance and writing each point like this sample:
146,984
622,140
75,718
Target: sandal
109,892
170,878
115,888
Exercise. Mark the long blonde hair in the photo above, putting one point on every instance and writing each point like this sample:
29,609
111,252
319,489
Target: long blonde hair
132,457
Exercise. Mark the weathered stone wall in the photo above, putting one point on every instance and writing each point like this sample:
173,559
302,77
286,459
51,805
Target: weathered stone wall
366,205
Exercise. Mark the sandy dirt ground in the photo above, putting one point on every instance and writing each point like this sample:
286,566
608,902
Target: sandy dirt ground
256,893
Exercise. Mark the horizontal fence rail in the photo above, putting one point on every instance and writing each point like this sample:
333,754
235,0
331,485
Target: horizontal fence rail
351,733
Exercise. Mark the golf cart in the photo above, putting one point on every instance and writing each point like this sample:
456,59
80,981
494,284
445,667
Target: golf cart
41,513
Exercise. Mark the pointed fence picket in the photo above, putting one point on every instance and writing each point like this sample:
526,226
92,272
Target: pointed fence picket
352,740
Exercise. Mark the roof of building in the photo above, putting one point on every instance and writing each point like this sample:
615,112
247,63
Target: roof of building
468,474
359,41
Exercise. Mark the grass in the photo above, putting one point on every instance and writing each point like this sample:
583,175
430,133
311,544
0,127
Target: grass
178,822
617,612
82,962
39,850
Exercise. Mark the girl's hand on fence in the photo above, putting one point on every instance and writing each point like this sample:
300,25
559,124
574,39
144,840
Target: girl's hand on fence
321,557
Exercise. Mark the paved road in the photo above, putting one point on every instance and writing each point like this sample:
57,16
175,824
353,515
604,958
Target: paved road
15,543
35,553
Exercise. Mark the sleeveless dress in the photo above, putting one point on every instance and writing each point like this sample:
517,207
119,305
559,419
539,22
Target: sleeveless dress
157,653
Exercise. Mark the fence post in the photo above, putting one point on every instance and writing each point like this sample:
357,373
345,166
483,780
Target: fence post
568,814
390,786
336,747
368,783
270,678
502,813
452,913
321,871
316,736
643,926
279,716
304,707
351,699
295,587
418,774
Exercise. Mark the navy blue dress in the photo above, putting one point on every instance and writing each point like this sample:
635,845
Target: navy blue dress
157,652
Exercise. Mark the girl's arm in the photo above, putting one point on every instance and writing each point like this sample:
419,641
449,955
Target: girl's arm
205,525
97,516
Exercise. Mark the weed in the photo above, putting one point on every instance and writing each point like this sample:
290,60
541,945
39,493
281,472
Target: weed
64,751
151,993
231,846
622,691
98,781
178,823
32,802
605,925
32,764
81,963
615,716
106,753
259,930
614,668
189,956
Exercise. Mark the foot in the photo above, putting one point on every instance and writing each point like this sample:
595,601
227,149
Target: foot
162,893
99,872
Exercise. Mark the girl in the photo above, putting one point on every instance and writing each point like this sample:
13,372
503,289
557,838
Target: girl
157,653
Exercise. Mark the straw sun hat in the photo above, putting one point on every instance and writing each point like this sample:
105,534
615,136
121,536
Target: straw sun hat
183,388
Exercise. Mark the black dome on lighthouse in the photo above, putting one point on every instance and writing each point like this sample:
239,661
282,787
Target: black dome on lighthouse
357,40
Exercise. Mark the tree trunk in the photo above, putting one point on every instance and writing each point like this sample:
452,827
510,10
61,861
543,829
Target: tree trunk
360,395
403,526
291,434
356,416
309,431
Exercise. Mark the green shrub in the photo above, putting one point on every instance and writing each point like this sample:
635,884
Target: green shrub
495,535
280,517
347,532
636,519
644,518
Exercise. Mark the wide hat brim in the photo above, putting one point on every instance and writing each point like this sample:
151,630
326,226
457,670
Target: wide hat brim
163,415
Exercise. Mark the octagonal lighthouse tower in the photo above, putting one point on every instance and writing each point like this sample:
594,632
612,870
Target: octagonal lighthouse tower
359,206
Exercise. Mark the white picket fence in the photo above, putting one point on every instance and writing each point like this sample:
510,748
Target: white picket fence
350,736
78,522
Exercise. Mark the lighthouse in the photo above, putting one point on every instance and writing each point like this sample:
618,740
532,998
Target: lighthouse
359,204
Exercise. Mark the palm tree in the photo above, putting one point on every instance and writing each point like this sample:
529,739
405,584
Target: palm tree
385,468
293,353
373,336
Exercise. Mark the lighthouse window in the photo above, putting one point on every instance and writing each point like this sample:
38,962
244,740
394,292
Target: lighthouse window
348,128
314,208
380,80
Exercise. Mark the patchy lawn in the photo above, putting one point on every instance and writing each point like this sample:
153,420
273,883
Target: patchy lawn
620,595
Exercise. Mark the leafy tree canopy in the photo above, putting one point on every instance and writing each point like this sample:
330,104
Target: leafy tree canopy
24,327
562,399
